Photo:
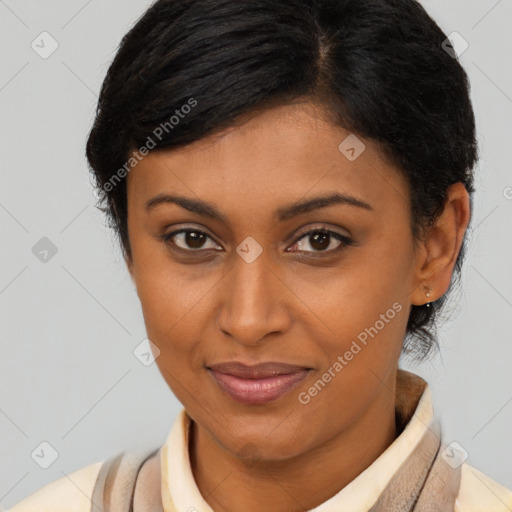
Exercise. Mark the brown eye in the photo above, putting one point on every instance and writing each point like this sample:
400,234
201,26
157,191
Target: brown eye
194,239
188,239
322,241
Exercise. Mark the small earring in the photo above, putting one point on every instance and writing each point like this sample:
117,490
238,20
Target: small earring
428,294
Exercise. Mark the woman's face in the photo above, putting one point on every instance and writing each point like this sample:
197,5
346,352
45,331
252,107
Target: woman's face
263,285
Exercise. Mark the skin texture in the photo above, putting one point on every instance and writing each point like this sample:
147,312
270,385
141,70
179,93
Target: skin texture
212,306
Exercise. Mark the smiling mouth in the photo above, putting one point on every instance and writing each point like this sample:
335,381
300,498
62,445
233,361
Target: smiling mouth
257,384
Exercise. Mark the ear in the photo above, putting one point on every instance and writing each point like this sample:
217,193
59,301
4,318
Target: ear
438,251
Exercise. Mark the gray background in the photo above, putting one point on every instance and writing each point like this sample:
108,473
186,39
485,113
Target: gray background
70,325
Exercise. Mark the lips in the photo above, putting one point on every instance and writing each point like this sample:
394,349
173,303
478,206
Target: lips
257,384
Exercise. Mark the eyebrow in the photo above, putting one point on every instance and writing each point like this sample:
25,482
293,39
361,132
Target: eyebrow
281,214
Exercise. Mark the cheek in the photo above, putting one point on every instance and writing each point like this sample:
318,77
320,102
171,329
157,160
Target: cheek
177,310
165,296
365,329
170,311
166,303
360,350
363,308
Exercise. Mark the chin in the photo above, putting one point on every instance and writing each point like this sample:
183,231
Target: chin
264,443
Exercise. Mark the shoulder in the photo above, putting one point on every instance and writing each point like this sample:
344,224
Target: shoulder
71,493
480,493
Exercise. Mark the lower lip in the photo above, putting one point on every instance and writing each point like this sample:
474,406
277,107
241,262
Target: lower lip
258,391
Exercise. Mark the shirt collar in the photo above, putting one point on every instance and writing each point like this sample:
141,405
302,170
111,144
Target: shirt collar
413,406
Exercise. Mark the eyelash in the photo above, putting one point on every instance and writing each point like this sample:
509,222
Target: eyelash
344,241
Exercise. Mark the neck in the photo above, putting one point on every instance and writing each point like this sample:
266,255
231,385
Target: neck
296,484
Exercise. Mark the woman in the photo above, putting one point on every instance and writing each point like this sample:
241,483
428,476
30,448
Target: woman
291,186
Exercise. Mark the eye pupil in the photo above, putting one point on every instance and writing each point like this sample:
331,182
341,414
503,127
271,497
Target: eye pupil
194,239
320,240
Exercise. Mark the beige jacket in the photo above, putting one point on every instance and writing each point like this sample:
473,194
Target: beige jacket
477,492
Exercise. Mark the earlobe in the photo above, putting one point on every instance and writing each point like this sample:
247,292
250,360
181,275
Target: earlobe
441,247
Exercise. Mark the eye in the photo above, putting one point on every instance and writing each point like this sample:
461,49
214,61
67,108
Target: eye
322,240
190,240
319,240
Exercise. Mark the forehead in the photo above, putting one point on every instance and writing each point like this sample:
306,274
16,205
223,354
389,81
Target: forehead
271,158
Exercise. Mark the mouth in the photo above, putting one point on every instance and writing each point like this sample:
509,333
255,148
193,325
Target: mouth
257,384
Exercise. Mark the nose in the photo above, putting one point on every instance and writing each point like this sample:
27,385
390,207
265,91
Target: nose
253,302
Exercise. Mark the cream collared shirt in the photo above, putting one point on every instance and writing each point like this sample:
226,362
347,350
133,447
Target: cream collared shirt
477,493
